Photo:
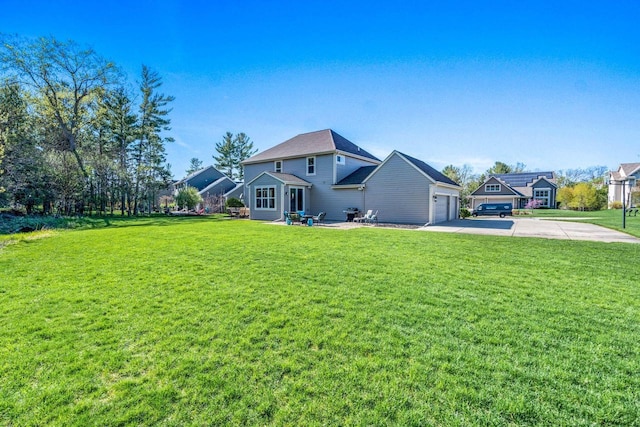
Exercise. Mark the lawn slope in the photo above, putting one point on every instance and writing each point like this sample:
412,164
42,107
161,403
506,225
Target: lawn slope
209,322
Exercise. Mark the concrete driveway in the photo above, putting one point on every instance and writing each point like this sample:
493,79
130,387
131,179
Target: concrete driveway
533,227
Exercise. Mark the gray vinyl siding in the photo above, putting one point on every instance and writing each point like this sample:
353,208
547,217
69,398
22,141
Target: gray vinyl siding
323,197
399,192
266,215
335,201
250,172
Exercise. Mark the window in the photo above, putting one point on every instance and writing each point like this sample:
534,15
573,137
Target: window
265,198
543,196
492,188
340,159
277,166
311,165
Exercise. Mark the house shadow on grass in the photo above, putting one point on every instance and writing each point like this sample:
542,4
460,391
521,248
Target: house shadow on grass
143,221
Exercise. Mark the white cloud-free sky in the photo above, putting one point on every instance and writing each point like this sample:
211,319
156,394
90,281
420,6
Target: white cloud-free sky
554,85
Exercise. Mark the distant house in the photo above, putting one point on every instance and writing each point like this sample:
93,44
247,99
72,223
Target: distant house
517,189
214,186
324,172
629,174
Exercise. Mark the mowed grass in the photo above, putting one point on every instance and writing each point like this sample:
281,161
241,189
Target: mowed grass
202,321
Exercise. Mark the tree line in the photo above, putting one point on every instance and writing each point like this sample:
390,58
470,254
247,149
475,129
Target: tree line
75,137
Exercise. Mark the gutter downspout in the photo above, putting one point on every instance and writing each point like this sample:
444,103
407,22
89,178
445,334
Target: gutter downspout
432,203
282,204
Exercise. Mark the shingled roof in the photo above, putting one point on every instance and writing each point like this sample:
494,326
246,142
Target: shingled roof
312,143
433,173
357,176
524,179
625,170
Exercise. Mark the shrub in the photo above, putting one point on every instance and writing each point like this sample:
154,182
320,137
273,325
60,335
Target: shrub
616,205
188,197
464,213
233,202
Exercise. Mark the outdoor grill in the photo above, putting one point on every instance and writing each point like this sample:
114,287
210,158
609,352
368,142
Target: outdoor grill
351,213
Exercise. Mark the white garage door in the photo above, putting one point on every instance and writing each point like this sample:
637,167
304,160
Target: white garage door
442,209
497,201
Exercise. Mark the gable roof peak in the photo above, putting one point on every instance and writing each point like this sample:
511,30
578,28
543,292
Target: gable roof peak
428,170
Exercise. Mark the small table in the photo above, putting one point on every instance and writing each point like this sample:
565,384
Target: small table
305,219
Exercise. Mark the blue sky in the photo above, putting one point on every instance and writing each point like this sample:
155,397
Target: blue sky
554,85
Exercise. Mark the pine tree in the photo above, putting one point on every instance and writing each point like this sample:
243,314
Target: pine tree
244,150
226,149
232,150
149,157
194,166
121,122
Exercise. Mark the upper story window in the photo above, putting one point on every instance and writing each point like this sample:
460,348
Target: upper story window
311,165
340,159
492,188
277,166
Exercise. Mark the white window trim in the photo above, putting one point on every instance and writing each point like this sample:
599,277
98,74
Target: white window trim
275,166
546,198
498,186
255,198
315,165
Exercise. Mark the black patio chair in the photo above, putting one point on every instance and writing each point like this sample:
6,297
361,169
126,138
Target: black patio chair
319,218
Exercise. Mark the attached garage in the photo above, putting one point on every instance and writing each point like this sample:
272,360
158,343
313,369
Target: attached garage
406,190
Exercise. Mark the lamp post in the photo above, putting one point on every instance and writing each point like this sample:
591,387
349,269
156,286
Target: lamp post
624,208
624,202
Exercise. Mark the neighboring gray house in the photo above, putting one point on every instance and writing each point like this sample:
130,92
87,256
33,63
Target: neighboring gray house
517,189
214,186
323,171
629,173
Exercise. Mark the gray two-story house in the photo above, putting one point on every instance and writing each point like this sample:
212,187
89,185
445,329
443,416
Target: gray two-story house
324,172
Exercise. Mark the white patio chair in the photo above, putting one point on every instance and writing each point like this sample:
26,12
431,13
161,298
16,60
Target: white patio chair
373,219
365,218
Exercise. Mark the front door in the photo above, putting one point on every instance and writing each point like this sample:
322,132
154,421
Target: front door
296,196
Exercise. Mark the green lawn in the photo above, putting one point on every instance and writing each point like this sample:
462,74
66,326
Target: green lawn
610,218
200,321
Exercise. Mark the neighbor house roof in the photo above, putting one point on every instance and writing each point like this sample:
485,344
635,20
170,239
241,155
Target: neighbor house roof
524,179
625,170
217,186
521,184
312,143
196,173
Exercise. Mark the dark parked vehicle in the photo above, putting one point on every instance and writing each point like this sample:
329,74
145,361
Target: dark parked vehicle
501,209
